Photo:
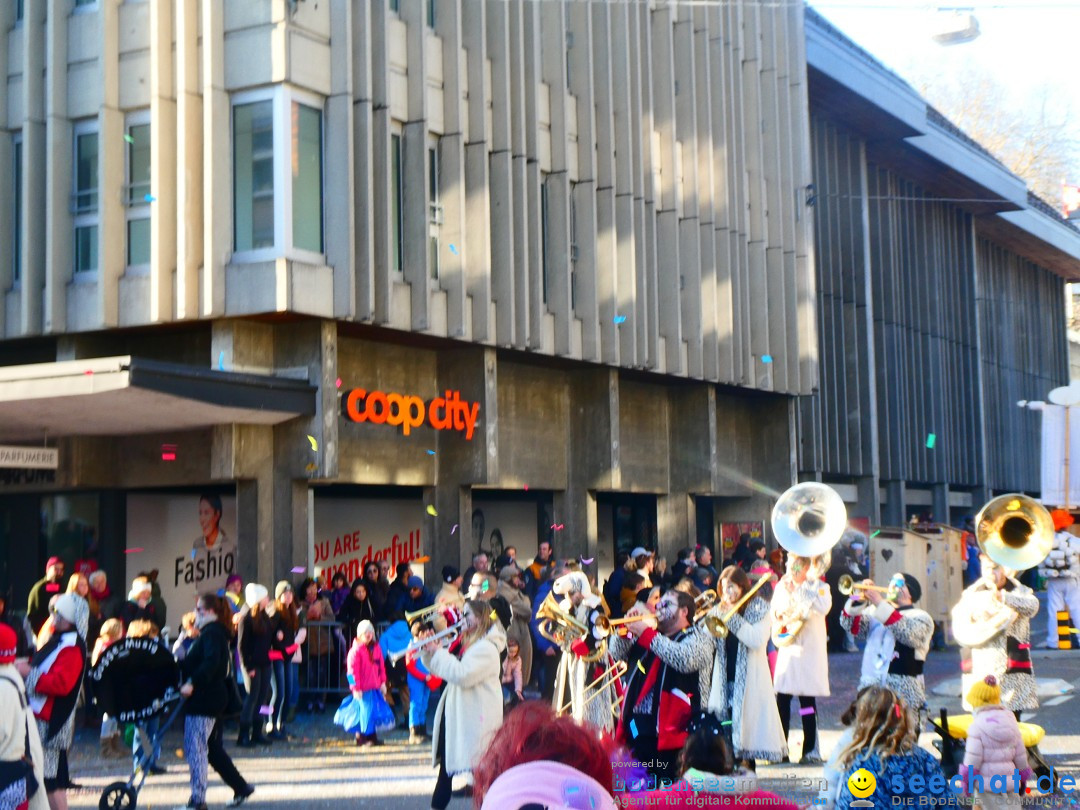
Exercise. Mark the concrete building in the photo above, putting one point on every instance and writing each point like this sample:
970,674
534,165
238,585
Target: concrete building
256,248
941,288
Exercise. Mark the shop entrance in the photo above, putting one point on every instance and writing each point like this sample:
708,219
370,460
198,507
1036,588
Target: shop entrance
624,521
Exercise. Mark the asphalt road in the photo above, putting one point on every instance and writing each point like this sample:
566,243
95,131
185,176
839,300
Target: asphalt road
323,769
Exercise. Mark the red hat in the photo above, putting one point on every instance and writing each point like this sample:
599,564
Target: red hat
1062,519
7,644
53,561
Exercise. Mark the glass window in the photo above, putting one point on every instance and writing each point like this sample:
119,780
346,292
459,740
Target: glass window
16,225
573,246
138,140
138,241
435,216
396,202
307,177
544,222
253,169
79,3
18,10
86,201
431,13
395,5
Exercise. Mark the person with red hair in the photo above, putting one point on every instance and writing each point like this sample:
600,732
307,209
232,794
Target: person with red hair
1061,570
539,758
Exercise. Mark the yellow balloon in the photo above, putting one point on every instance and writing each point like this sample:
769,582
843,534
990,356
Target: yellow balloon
861,783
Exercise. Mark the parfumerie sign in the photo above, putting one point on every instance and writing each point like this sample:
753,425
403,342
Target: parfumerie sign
449,412
29,458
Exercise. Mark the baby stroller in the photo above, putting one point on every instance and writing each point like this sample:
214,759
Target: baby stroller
136,681
953,732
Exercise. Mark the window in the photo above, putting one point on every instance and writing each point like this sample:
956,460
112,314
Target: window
16,224
431,13
278,175
138,197
85,198
253,175
395,5
79,3
307,203
544,233
396,198
573,246
435,212
19,10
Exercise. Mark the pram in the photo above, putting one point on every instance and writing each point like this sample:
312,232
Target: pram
125,795
136,681
953,732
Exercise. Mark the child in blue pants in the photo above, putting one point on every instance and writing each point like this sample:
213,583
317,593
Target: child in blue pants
421,684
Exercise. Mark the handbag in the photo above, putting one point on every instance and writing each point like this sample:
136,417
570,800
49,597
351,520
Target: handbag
23,768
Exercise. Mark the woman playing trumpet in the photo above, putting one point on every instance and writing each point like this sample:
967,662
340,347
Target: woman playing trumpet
741,662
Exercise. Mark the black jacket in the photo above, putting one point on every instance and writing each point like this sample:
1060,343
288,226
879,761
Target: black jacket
256,642
130,612
206,665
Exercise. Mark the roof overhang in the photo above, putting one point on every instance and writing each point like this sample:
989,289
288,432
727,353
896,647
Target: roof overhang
1037,237
117,396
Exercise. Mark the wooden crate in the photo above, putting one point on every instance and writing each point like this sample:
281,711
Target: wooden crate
893,550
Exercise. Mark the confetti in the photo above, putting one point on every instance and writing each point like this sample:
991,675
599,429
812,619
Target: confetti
454,529
454,250
494,615
149,198
193,554
725,722
221,360
89,371
558,526
299,569
620,319
586,560
337,382
312,467
766,358
431,511
806,711
132,550
526,486
266,711
486,586
314,444
633,728
930,439
129,139
639,666
421,560
53,587
875,534
430,452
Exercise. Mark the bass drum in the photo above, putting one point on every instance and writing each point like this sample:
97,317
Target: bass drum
979,616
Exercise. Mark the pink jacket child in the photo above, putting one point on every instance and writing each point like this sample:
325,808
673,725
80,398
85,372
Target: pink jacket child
995,746
366,667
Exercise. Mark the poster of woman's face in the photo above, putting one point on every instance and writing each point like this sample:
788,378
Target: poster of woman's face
209,517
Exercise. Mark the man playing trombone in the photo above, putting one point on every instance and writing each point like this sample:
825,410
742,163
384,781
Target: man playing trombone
897,635
669,671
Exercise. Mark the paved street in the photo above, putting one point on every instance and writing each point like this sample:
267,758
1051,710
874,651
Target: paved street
322,769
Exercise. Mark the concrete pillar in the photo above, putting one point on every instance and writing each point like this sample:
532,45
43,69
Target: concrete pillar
869,499
894,511
940,503
163,157
217,161
189,183
54,150
675,523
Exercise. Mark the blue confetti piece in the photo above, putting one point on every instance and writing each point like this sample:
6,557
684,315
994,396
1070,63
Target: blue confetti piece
454,250
620,319
149,198
766,358
633,729
221,360
193,554
430,452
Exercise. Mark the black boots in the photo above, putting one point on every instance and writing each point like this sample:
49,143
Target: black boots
244,738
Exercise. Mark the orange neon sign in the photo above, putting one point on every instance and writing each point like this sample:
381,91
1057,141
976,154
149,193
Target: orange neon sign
449,412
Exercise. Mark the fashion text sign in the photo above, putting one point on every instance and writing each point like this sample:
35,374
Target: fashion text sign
449,412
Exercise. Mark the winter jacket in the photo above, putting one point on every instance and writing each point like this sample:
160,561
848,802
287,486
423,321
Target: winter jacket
284,648
415,667
613,593
337,597
60,684
16,722
893,776
318,638
897,641
353,611
542,644
130,612
511,674
37,606
471,705
994,745
1063,561
519,627
406,604
257,640
206,666
365,665
802,667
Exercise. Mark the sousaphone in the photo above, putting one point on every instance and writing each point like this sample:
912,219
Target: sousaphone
807,520
1017,533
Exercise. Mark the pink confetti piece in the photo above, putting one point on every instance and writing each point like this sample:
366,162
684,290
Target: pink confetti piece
132,550
337,382
299,569
454,529
266,711
806,711
526,487
558,526
89,371
586,560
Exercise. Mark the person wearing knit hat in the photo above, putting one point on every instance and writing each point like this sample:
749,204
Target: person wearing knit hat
285,659
1061,570
897,637
234,592
258,630
139,604
18,729
37,606
52,686
994,748
365,712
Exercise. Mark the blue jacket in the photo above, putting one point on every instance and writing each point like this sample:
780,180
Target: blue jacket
406,604
395,638
542,644
893,779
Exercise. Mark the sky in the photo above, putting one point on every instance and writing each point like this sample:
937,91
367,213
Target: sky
1028,45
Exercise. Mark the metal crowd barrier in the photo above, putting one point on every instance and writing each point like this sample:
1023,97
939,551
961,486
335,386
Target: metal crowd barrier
322,667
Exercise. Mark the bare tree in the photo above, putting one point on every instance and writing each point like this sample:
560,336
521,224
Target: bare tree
1036,140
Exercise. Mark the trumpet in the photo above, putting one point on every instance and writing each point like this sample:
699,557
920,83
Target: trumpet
412,615
718,625
446,637
846,585
606,680
606,624
703,603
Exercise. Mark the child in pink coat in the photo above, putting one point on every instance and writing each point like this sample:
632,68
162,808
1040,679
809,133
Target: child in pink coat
995,748
365,712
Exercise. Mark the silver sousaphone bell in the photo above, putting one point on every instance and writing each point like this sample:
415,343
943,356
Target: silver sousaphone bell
809,519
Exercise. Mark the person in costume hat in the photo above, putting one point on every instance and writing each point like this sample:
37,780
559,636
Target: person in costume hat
1061,570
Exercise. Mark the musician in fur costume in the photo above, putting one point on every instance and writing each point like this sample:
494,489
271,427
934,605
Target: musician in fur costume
1061,570
575,673
741,682
897,637
1007,654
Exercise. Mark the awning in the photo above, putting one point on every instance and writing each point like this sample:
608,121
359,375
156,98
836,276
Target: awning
117,396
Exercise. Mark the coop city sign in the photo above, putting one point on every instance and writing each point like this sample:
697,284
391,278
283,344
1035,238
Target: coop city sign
449,412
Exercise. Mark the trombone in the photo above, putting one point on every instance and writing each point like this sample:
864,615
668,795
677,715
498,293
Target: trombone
605,624
412,615
449,635
717,625
604,682
703,603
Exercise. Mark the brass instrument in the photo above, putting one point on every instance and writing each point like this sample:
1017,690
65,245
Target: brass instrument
1017,533
605,624
413,615
847,585
604,682
556,625
718,625
808,520
703,603
448,636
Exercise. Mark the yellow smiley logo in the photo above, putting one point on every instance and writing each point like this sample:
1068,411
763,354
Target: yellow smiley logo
861,783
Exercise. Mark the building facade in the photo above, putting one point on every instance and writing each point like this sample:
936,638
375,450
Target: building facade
401,277
941,286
